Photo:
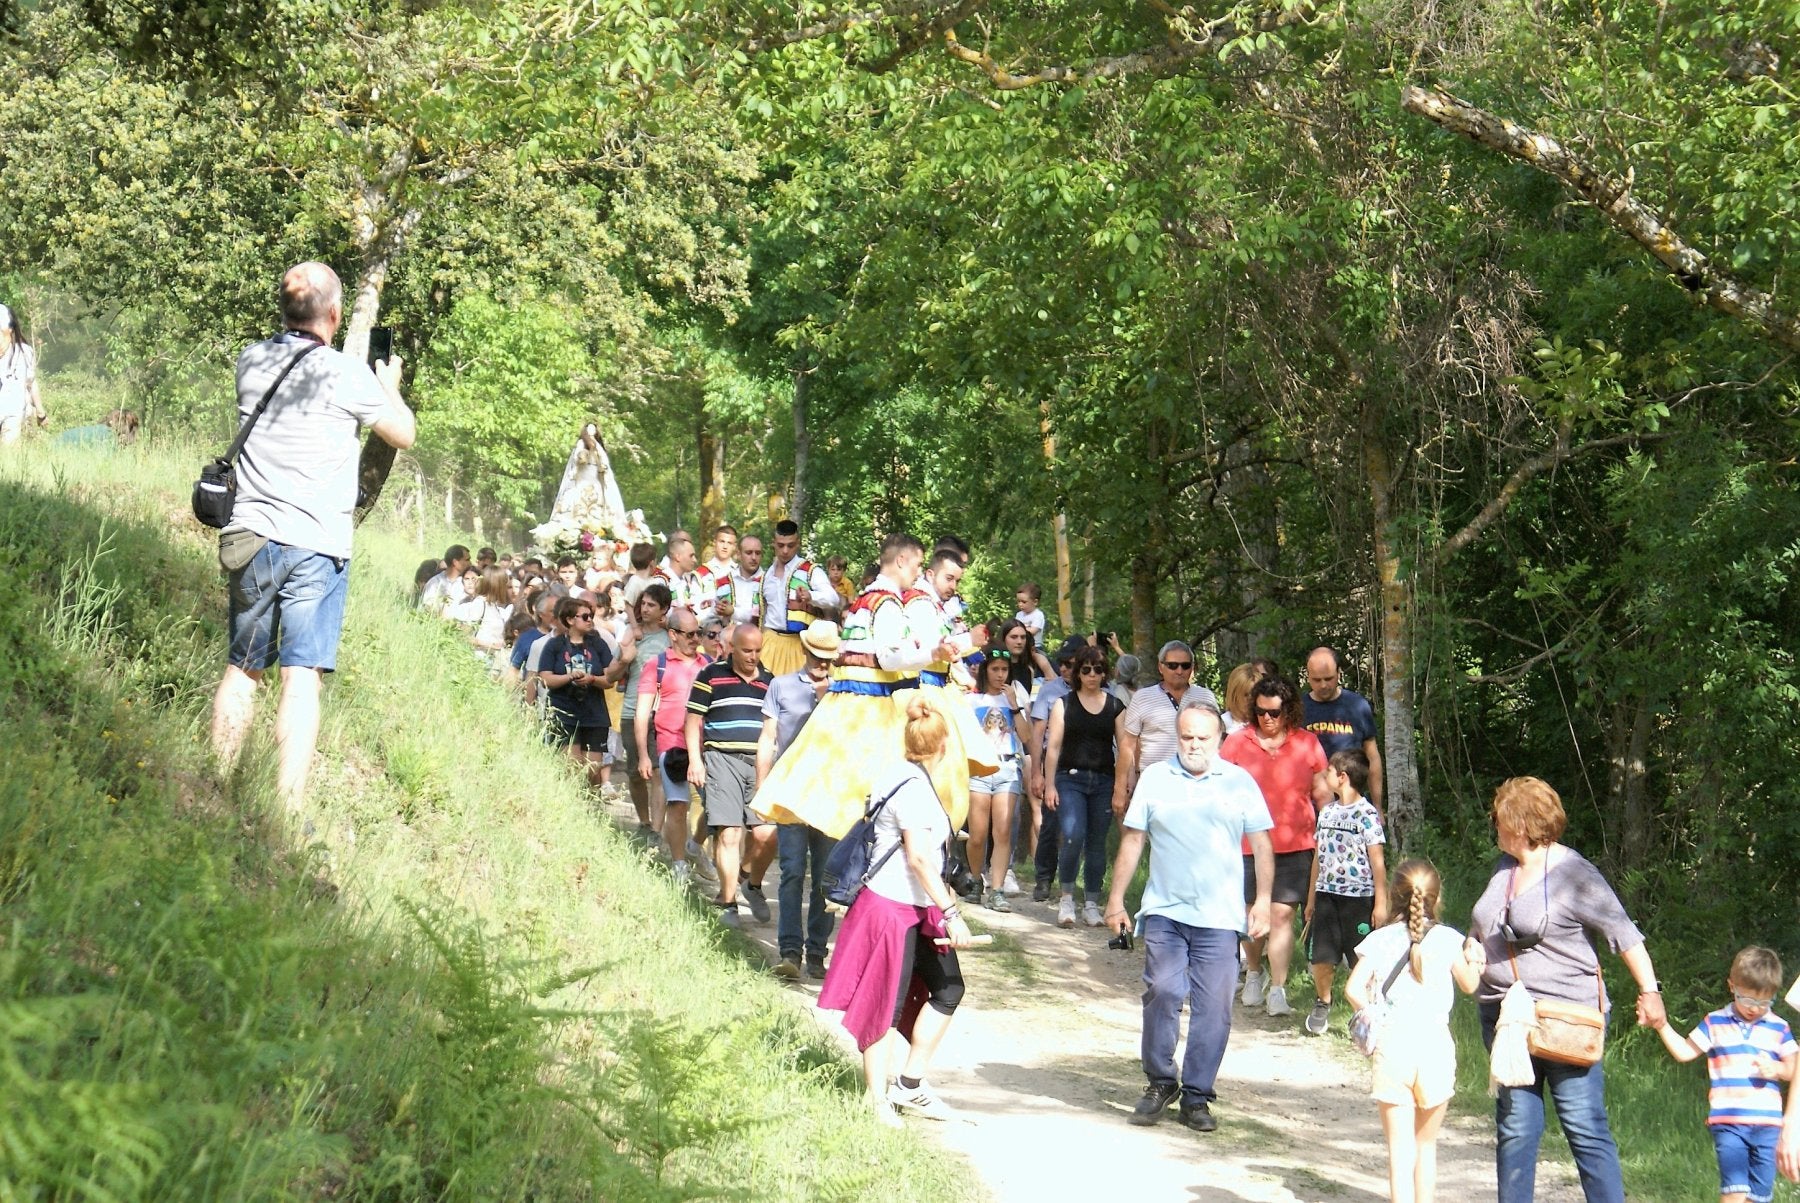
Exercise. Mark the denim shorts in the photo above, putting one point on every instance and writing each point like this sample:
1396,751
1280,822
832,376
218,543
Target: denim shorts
1746,1159
287,605
1003,780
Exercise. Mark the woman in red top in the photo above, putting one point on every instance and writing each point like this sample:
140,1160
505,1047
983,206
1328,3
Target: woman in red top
1284,757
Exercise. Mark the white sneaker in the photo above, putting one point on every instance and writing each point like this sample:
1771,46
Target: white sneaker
1278,1003
886,1116
1090,914
1065,911
1010,886
682,872
703,863
921,1100
1255,983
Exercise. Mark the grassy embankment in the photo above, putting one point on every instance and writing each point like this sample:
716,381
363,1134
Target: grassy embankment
466,988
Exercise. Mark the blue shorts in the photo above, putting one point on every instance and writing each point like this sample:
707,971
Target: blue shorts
287,604
1003,780
1746,1159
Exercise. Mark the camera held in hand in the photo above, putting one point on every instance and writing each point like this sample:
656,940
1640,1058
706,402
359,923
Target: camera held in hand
1123,941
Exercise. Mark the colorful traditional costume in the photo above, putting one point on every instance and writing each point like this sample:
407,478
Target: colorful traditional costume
783,615
823,778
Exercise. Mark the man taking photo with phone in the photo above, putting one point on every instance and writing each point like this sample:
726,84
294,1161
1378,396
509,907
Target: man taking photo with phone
287,550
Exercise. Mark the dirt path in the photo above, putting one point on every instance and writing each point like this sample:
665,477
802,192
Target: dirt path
1043,1062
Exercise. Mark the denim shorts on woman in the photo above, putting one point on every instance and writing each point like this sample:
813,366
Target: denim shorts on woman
287,606
1003,780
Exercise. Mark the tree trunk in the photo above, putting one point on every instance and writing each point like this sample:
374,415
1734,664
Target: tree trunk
1629,777
1143,605
1059,528
419,498
1399,756
1087,592
711,453
802,447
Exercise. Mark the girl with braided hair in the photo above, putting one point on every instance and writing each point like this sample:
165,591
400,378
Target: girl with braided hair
1410,964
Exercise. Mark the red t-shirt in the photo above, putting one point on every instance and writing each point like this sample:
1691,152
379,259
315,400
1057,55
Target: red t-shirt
1285,777
671,686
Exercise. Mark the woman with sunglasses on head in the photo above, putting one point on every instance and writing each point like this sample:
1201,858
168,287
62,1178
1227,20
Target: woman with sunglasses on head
1080,764
1536,922
1285,758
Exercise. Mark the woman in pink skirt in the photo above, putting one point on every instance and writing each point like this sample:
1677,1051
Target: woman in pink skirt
889,971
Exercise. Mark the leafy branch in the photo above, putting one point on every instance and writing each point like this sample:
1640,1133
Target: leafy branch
1189,41
1612,196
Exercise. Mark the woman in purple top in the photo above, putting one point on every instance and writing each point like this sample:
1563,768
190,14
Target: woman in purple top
1543,907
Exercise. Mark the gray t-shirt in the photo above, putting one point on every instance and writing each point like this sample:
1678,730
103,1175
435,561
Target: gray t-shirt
790,702
297,475
1569,906
649,645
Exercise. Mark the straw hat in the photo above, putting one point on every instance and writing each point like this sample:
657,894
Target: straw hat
821,639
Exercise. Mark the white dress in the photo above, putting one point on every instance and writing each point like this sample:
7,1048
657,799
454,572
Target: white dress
589,497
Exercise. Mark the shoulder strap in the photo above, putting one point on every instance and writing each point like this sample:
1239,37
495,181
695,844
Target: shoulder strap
1394,973
237,444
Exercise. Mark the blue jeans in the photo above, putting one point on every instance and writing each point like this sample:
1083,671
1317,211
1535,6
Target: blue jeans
794,842
288,602
1580,1096
1198,964
1084,813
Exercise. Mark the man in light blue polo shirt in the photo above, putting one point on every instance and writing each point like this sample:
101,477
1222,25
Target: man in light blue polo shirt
1195,809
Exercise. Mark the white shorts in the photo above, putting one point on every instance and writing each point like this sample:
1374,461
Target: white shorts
1414,1067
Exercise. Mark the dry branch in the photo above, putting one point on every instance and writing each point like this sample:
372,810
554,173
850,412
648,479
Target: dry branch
1612,196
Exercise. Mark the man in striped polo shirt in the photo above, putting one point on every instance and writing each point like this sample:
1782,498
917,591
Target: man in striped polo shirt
724,721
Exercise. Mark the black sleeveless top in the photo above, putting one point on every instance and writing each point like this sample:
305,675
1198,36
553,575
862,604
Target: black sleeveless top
1087,741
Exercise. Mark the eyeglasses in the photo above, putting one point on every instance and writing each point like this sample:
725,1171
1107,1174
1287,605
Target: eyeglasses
586,616
1093,670
1275,713
1750,1000
1179,665
679,631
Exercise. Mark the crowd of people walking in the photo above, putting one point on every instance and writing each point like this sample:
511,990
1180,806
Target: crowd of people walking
792,704
769,711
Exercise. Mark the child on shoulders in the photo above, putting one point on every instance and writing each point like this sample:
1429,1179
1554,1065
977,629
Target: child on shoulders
1749,1050
1409,965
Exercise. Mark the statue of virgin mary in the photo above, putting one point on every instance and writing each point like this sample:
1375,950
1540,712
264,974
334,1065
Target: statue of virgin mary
589,497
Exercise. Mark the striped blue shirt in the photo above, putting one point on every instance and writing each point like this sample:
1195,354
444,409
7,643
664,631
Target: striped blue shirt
1732,1045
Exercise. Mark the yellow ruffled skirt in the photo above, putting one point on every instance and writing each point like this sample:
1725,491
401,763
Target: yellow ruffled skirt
782,653
824,777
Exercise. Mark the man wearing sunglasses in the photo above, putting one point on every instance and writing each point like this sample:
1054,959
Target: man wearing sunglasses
1147,730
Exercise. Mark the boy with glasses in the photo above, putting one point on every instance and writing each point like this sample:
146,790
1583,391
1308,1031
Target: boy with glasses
1749,1051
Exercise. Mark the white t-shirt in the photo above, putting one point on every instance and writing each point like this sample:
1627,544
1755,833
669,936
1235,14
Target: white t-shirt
1034,622
1415,1003
18,368
915,808
297,473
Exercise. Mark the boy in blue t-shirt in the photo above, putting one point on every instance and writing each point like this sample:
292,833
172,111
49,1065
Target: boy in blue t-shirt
1749,1051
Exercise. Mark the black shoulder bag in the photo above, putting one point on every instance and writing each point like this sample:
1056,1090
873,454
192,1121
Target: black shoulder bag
216,491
